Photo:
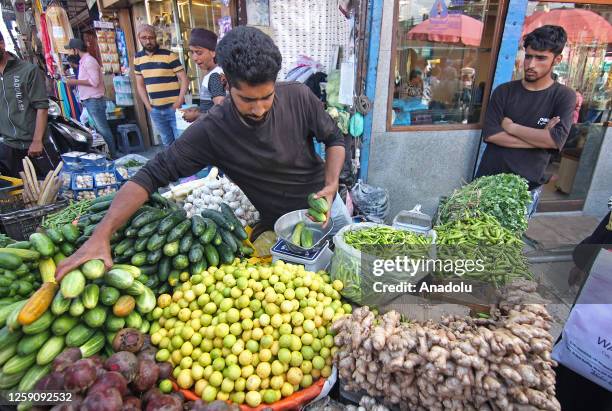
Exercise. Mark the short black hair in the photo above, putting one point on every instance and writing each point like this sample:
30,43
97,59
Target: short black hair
249,55
547,38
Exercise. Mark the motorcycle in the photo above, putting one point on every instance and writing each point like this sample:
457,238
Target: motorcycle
67,134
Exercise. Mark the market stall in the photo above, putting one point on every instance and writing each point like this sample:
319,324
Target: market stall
193,314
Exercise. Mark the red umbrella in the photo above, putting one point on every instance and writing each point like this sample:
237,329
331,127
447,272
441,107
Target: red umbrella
582,26
454,28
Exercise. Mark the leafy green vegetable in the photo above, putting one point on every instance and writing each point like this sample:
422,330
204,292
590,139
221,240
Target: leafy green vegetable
503,196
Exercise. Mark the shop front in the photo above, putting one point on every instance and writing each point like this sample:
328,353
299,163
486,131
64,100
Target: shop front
436,66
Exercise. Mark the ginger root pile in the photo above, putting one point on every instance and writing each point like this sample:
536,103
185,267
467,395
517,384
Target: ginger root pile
460,363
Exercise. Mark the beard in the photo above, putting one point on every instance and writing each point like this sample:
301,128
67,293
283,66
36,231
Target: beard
150,47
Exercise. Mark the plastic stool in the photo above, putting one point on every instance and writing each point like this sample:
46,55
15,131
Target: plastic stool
125,145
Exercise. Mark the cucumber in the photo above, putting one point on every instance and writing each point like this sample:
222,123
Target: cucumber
229,215
100,206
218,239
196,253
134,320
198,225
320,205
103,199
118,278
7,353
136,288
32,376
90,296
6,311
225,253
185,243
245,250
218,218
109,295
81,240
296,235
55,235
139,259
306,239
154,256
19,364
73,284
93,269
23,245
95,317
59,257
9,261
59,305
41,324
210,232
174,278
148,218
321,218
148,270
31,343
141,243
67,248
148,230
164,268
79,335
145,302
131,232
229,240
93,345
179,231
62,325
52,348
88,231
199,267
171,221
171,249
212,256
9,337
123,246
10,381
76,308
156,242
180,262
70,232
114,323
96,218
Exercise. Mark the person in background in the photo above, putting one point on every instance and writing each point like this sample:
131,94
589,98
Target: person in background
161,82
529,119
73,62
90,86
23,118
202,44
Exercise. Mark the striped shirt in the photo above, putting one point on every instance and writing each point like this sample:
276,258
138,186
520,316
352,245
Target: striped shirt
159,73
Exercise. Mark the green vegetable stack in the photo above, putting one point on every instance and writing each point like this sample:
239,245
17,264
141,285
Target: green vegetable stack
164,243
87,311
69,214
318,208
503,196
25,265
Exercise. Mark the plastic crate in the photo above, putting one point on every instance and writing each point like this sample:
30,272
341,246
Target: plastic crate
20,224
11,197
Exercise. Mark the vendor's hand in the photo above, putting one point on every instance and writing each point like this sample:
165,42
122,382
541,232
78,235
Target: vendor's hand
148,106
35,149
177,105
96,248
506,124
552,123
191,114
329,193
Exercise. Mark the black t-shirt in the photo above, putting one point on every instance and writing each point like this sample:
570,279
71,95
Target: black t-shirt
531,109
273,162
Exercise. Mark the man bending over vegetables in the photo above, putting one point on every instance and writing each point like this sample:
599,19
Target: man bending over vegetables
529,119
261,137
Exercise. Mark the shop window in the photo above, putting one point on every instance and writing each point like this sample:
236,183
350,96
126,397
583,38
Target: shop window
586,67
442,62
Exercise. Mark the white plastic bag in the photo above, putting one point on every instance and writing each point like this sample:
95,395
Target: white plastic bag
586,342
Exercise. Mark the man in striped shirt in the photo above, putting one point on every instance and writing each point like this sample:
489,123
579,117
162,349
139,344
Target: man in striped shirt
161,82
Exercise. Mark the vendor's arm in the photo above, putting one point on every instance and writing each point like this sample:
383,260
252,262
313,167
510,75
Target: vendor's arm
183,158
504,139
326,131
40,102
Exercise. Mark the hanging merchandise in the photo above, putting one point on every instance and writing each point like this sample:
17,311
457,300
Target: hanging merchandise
58,26
105,31
46,42
123,91
122,50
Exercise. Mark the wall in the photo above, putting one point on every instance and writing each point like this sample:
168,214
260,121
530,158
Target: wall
416,167
596,203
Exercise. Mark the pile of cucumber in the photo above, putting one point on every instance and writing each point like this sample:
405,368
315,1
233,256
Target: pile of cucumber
164,243
25,265
87,310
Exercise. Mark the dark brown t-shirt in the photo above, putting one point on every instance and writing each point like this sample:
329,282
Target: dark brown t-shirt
274,162
531,109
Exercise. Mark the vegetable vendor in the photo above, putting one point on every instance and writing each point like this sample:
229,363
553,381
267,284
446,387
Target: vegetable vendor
529,119
261,137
